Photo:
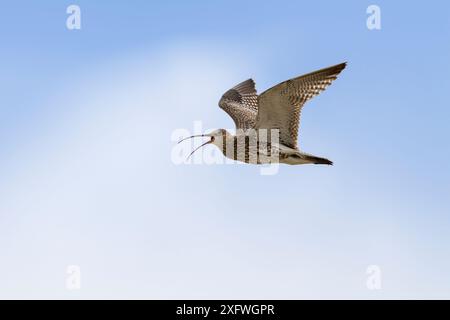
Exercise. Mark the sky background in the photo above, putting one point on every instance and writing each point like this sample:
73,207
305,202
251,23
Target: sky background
87,179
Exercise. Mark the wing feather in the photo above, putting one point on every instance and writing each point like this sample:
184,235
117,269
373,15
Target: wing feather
241,104
280,106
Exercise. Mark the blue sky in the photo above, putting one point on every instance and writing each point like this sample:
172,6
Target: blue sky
86,118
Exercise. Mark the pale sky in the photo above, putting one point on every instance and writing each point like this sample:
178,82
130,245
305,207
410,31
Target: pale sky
87,179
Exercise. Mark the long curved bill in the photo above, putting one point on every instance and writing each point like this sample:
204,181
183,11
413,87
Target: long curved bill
207,142
198,135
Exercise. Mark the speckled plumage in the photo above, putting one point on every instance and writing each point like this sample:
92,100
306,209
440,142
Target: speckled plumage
277,108
241,103
267,125
280,106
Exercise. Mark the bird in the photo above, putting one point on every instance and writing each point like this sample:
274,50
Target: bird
267,124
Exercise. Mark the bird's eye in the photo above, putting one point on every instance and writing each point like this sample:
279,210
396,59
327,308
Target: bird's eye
213,138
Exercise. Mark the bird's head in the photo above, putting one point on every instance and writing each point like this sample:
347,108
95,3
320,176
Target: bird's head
216,137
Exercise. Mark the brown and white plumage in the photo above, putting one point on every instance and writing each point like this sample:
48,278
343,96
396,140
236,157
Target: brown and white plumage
277,108
241,103
280,106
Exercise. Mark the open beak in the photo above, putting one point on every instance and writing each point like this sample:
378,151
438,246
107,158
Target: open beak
207,142
199,135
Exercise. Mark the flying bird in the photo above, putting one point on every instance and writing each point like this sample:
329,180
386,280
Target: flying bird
275,112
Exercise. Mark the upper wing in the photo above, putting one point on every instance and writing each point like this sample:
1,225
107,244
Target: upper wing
280,106
241,103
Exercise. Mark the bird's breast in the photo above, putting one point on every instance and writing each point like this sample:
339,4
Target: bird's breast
250,149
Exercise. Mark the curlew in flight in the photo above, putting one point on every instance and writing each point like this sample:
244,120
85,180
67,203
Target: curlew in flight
276,113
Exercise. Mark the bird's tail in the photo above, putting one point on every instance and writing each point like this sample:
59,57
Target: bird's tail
317,160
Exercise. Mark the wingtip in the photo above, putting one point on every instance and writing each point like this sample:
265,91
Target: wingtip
343,64
339,67
246,87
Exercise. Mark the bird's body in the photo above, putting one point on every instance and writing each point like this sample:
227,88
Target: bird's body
267,124
246,146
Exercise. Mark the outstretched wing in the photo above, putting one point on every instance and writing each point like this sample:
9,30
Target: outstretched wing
241,104
279,107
